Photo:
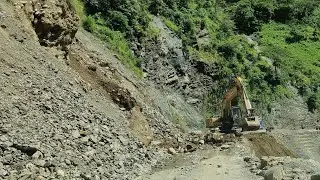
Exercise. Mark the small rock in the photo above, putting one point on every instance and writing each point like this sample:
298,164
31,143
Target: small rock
23,2
43,163
31,167
3,172
247,159
90,153
37,155
205,157
85,139
123,140
3,26
201,142
83,133
92,67
180,139
172,151
219,165
195,162
85,177
94,139
259,173
155,143
116,56
8,143
67,161
60,173
263,163
172,80
192,101
40,178
225,147
48,164
253,168
40,163
297,171
76,134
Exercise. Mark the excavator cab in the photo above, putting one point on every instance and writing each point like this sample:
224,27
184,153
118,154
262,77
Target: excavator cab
236,115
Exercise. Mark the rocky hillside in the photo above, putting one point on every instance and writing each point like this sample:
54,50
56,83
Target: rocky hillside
69,109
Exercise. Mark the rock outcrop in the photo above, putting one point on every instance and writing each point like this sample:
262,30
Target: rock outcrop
55,22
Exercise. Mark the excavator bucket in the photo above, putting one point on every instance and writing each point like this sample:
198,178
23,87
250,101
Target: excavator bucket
252,124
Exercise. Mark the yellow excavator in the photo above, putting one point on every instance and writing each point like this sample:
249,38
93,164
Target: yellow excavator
231,114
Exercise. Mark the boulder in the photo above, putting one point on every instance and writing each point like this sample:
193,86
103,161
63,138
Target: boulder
172,151
263,162
274,173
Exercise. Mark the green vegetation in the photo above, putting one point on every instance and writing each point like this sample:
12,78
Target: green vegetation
212,31
79,8
296,56
171,25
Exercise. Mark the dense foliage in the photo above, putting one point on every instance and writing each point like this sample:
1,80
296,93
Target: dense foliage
213,31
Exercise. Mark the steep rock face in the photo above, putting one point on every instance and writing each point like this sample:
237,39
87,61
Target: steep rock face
54,22
166,64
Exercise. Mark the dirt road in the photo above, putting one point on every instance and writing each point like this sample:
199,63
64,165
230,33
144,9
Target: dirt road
219,168
256,156
226,162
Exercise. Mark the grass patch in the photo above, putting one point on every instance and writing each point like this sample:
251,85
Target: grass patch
204,56
79,8
171,25
153,33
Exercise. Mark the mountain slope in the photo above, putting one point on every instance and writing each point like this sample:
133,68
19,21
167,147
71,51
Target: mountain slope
194,47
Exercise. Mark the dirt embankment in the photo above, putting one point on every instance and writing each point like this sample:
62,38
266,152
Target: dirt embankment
263,144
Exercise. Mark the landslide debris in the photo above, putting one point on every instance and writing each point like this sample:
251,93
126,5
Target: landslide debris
54,124
119,95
